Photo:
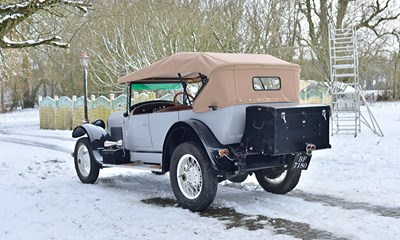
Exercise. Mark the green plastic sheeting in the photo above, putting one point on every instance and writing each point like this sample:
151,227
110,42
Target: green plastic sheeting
156,86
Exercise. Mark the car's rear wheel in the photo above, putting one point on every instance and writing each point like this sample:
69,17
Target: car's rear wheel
279,182
192,176
86,166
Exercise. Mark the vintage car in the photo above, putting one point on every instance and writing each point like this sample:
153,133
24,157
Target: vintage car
206,118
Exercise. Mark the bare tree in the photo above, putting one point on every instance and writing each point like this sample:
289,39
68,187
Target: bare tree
133,35
374,15
272,26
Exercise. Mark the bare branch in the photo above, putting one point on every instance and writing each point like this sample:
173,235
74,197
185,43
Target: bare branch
378,9
12,15
54,41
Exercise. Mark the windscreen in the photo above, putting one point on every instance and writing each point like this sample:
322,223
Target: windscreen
142,92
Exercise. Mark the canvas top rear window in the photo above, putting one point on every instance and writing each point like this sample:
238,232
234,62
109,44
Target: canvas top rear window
266,83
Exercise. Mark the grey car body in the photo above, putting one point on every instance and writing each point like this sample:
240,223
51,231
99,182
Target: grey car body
203,137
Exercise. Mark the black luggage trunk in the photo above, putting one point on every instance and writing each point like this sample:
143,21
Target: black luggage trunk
286,128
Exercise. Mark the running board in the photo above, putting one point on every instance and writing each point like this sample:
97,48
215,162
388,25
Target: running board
137,165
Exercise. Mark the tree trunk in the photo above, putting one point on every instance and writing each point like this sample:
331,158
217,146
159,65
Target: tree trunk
1,96
395,76
342,9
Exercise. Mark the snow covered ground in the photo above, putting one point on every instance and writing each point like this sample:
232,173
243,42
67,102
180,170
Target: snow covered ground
349,192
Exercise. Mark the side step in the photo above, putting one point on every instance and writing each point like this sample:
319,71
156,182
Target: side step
137,165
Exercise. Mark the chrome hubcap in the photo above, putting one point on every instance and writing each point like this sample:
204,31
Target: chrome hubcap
189,176
83,159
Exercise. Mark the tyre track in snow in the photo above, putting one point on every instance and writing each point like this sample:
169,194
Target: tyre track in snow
47,137
346,204
391,212
35,144
233,219
9,133
227,215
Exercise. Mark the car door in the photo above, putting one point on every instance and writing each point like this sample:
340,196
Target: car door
160,123
139,137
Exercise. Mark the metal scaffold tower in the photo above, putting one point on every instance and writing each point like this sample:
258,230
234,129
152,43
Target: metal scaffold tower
346,93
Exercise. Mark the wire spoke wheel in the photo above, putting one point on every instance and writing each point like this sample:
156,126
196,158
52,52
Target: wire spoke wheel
189,176
86,166
192,176
83,160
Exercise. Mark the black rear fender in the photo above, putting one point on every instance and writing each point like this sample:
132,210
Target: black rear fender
193,130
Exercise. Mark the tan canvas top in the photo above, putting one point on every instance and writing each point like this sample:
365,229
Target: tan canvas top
230,77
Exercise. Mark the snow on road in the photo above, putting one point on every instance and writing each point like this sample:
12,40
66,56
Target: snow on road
349,192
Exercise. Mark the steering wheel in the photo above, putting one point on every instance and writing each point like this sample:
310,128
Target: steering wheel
181,93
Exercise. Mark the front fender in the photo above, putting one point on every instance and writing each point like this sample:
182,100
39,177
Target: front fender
97,136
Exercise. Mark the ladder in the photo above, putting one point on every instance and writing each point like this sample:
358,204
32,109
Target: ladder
346,92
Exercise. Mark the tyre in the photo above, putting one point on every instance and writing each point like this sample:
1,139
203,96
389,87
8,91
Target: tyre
281,182
86,166
192,177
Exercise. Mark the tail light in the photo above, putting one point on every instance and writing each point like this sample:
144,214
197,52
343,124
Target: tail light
310,148
223,152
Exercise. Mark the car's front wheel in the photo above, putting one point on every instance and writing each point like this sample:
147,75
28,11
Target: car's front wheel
279,182
192,176
86,166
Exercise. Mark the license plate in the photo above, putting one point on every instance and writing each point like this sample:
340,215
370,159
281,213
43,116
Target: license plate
301,161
